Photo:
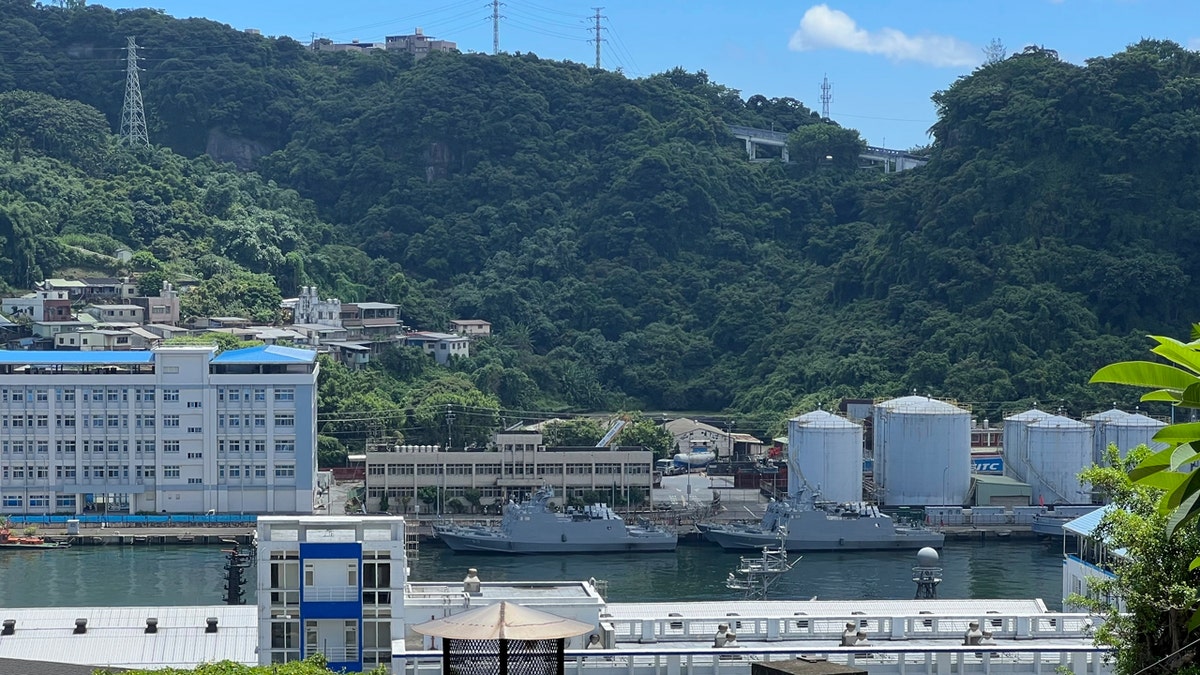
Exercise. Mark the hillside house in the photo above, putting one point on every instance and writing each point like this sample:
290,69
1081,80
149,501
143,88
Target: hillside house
54,305
440,345
163,308
117,313
472,328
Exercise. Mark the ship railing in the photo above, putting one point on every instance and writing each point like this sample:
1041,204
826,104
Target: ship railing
1003,658
896,627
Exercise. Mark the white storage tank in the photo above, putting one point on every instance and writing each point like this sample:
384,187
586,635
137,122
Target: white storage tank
1133,430
922,451
825,454
1100,432
1016,441
1058,449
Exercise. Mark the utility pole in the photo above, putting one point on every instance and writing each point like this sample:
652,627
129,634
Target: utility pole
598,16
826,97
133,115
496,5
449,427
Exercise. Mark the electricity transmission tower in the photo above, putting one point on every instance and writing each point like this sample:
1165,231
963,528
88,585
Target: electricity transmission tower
597,16
133,115
826,97
496,5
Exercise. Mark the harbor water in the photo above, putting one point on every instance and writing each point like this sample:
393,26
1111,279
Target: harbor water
193,575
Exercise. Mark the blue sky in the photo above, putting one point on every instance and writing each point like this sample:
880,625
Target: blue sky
884,58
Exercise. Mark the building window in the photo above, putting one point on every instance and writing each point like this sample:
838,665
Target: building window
195,455
170,420
170,394
68,395
65,502
285,470
285,420
11,502
260,394
282,446
260,421
193,404
285,394
170,446
195,481
170,471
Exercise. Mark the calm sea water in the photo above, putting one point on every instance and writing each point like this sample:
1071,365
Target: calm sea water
193,575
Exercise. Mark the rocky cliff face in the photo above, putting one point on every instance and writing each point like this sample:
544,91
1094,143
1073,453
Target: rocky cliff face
242,152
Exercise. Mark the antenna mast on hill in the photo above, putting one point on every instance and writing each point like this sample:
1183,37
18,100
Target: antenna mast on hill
496,5
597,16
826,97
133,115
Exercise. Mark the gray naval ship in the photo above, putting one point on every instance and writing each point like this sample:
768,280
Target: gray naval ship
533,527
808,524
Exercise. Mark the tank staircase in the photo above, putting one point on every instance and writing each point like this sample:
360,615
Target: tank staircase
412,544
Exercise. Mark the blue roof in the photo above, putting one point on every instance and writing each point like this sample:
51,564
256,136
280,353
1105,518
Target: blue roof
268,354
1086,524
54,358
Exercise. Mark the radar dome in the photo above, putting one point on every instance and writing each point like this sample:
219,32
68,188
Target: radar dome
927,557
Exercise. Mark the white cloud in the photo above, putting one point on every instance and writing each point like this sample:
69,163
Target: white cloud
1194,44
825,28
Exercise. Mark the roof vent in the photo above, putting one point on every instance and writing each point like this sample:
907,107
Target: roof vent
80,626
152,625
212,624
10,627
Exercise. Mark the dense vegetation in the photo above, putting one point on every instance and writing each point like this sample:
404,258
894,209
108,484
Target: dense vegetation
612,230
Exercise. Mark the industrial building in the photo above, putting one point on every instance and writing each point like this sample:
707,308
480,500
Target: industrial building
922,451
519,465
179,429
825,456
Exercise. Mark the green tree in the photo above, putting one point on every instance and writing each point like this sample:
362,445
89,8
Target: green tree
151,282
642,431
1152,577
254,296
222,341
330,452
577,432
825,145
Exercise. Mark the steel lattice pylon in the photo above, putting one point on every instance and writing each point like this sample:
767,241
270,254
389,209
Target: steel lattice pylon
133,115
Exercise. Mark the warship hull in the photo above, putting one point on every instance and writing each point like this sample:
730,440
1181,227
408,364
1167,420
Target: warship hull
483,543
732,538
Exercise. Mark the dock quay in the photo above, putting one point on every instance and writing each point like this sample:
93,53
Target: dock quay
151,536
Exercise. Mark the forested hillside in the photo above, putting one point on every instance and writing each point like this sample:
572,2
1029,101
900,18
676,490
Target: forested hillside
627,253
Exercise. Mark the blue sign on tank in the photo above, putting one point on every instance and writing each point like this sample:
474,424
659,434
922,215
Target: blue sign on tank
990,465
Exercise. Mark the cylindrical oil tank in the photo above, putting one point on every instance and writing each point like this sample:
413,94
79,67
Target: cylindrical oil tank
922,451
1058,448
825,455
1100,432
1016,440
1133,430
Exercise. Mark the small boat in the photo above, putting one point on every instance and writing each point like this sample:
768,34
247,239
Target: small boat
8,540
534,527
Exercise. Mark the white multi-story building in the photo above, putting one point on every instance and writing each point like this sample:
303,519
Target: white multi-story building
330,585
178,429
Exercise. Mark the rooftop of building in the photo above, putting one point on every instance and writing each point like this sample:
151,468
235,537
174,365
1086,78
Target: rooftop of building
269,354
116,636
433,335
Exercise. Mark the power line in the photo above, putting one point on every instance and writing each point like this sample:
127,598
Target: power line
620,44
